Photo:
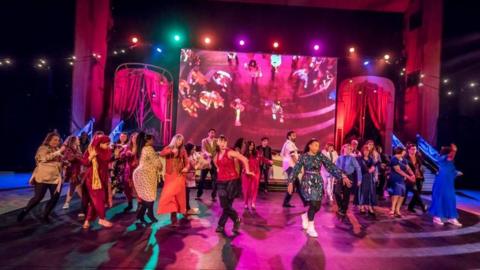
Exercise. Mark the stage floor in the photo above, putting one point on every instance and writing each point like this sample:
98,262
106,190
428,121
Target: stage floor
271,238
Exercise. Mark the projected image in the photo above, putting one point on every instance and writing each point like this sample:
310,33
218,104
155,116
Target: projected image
252,95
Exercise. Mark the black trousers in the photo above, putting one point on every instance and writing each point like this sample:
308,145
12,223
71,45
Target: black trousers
313,209
39,192
265,172
227,192
416,189
296,186
342,194
187,197
145,207
203,176
382,181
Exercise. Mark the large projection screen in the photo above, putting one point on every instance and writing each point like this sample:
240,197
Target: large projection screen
252,95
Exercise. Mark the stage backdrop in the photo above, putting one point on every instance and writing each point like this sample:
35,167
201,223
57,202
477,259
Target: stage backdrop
252,95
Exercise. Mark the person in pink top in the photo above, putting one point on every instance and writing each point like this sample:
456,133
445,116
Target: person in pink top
227,180
250,183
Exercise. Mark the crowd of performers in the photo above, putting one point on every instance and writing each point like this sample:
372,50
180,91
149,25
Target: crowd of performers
98,169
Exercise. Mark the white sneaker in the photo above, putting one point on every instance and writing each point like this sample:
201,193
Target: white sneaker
454,222
66,206
311,229
438,221
304,221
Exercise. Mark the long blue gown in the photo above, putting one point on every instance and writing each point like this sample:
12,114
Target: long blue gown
444,204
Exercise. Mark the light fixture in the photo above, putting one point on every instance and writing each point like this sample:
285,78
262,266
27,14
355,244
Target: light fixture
351,49
275,44
386,56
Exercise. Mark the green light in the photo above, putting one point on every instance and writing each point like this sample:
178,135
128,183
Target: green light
176,37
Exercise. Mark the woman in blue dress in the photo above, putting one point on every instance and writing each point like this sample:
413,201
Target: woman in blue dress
399,174
311,184
367,196
444,205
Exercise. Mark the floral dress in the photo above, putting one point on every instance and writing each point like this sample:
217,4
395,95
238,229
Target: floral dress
311,184
146,175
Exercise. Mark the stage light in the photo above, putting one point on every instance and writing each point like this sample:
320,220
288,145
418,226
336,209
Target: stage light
159,50
7,61
70,63
241,42
115,52
386,56
420,84
366,63
316,47
275,44
476,98
404,69
39,65
422,75
351,49
176,37
402,73
445,81
450,93
43,61
207,40
134,40
122,51
473,84
350,81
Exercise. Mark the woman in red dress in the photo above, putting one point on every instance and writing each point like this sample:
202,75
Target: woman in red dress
97,159
131,163
227,180
73,156
173,197
250,183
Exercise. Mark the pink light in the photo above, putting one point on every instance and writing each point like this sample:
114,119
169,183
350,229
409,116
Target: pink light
134,40
275,44
316,47
241,42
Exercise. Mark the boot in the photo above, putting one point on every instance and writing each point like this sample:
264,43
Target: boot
304,221
236,225
141,213
21,215
311,229
150,214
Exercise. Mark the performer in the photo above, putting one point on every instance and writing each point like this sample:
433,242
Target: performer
118,164
266,163
209,149
311,185
330,153
399,174
84,141
250,183
228,178
367,197
46,176
173,197
350,167
414,161
444,205
73,157
146,175
382,173
96,158
131,155
355,152
194,161
289,155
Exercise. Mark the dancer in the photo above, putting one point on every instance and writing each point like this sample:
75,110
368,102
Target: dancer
250,183
119,163
289,155
399,174
414,160
382,173
84,141
97,158
355,152
367,197
350,167
444,205
131,155
172,200
146,175
46,176
209,149
311,185
193,165
228,178
266,163
73,156
330,153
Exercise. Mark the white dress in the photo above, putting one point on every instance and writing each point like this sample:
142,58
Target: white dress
146,175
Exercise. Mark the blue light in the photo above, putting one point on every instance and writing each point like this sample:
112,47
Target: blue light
159,50
366,63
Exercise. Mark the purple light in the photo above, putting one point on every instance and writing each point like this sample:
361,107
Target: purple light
366,63
241,42
316,47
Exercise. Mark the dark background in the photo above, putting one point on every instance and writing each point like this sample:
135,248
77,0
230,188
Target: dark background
36,101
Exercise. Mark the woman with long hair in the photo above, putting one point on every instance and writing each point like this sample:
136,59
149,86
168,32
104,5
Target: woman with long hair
131,156
250,183
146,175
367,197
228,178
172,200
194,165
46,176
400,173
97,159
444,205
73,156
311,185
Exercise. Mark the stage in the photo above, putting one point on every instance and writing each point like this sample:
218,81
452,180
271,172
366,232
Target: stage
271,238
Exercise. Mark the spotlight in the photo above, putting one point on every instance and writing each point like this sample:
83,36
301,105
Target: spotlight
241,42
350,81
445,81
316,47
473,84
176,37
115,52
7,61
351,49
159,50
70,63
207,40
73,57
476,98
134,40
450,93
122,51
275,44
420,84
43,61
386,56
366,63
404,69
422,75
402,73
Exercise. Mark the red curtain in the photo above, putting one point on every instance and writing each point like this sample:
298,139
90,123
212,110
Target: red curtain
352,109
158,90
377,102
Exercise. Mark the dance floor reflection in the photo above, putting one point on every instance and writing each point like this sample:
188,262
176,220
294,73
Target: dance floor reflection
271,238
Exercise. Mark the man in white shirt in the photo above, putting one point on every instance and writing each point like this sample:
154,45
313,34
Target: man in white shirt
329,180
289,155
209,150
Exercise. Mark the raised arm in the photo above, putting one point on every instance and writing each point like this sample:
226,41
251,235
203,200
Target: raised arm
42,154
241,158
